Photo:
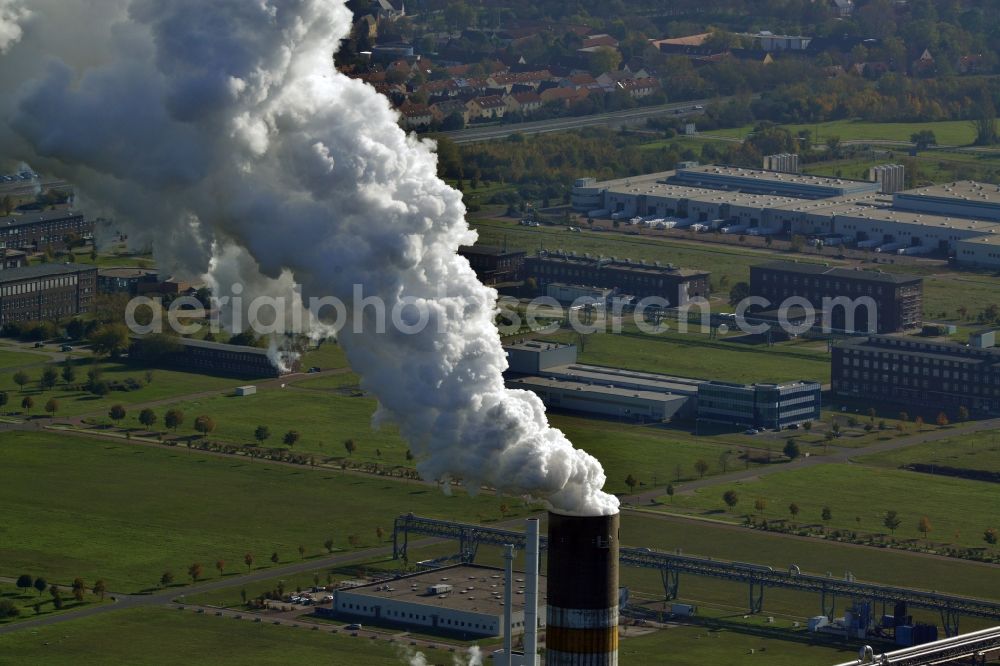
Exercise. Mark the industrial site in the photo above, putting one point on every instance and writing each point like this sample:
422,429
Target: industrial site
466,333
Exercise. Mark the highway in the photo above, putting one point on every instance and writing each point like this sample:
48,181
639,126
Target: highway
612,119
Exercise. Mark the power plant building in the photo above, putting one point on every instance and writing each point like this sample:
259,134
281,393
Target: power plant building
462,600
46,291
923,373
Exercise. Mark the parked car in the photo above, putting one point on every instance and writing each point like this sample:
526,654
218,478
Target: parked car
39,345
66,348
353,627
313,370
750,431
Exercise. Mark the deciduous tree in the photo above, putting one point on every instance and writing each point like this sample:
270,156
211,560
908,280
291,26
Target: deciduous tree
892,521
730,498
173,419
701,467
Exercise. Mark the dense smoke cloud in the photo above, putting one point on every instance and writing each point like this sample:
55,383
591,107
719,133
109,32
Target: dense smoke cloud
220,134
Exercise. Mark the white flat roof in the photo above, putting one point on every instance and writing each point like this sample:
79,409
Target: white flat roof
963,190
475,589
583,388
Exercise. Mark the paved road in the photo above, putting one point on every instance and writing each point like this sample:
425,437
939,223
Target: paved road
612,119
843,455
127,601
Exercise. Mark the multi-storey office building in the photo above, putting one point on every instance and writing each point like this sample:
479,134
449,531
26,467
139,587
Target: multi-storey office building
924,373
38,231
641,280
46,292
760,405
897,299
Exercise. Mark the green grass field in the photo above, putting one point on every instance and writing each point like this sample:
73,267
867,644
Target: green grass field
13,359
26,601
948,133
156,636
81,507
979,451
694,354
958,510
166,384
326,415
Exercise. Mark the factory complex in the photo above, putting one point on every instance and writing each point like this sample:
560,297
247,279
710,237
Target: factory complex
459,599
550,370
958,220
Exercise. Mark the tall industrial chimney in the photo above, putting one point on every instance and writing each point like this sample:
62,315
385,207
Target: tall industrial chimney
582,625
531,592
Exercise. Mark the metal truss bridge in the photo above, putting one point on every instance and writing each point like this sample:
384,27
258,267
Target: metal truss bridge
671,566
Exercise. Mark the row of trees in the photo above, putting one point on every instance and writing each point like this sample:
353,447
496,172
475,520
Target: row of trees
27,582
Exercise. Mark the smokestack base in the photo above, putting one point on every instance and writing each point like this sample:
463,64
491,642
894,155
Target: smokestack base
582,606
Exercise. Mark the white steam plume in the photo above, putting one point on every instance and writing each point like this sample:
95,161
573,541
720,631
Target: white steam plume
206,126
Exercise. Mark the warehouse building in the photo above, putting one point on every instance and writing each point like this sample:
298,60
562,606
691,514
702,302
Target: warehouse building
759,181
216,358
773,406
965,198
38,231
601,400
552,372
933,220
530,357
898,299
46,292
462,599
639,279
981,251
924,373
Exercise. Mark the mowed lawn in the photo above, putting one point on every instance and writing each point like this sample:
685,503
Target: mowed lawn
77,506
977,451
859,496
157,636
74,402
326,418
13,359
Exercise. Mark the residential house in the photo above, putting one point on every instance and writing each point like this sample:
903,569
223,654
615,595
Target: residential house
842,8
416,116
924,65
491,107
445,108
639,88
597,41
565,96
524,103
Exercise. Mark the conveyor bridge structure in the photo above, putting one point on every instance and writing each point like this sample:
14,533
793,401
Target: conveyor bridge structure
756,577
